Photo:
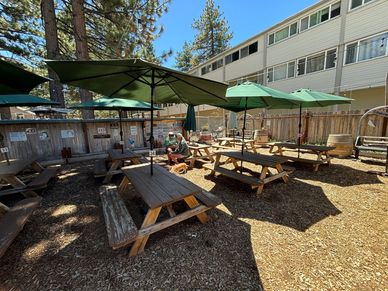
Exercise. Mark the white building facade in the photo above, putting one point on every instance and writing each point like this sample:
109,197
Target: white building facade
334,46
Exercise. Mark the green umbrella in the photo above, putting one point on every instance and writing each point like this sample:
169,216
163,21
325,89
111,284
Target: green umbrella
10,100
310,98
115,104
15,80
250,95
139,80
190,123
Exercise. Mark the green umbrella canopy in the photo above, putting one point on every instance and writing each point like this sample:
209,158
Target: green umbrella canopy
10,100
190,123
135,78
250,95
318,99
15,80
114,104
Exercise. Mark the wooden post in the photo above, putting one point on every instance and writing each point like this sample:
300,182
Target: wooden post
306,129
86,138
385,119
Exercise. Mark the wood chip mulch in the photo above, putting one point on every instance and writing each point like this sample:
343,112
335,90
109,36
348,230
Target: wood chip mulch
320,231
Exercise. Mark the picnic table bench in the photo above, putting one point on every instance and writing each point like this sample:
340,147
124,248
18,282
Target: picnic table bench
9,173
116,157
266,162
13,221
322,153
233,142
199,152
162,189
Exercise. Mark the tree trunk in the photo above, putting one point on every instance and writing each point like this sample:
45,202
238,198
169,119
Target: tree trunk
51,36
81,44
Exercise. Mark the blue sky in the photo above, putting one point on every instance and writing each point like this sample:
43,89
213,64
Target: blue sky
245,17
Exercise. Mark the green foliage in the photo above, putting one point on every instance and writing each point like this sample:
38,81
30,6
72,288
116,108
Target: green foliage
213,34
184,59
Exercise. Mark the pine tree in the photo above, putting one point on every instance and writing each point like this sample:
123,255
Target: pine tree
213,32
184,59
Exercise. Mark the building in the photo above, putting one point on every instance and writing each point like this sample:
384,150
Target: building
333,46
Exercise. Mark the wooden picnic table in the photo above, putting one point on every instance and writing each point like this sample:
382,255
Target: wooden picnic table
162,190
9,173
322,152
200,152
267,163
233,142
117,158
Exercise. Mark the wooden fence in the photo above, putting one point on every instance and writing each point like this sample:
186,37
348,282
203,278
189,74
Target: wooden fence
316,127
46,138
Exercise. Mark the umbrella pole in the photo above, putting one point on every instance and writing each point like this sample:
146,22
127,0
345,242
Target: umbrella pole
300,129
121,133
243,132
152,122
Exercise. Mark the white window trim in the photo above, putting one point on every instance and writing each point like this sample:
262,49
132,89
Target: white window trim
326,21
283,27
358,7
358,49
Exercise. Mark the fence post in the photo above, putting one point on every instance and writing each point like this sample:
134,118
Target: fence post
86,138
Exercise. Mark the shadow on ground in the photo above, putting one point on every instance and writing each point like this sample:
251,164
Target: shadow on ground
65,246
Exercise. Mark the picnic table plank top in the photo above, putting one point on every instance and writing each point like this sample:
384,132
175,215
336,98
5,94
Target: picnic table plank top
162,188
15,167
199,146
235,139
118,155
304,146
258,159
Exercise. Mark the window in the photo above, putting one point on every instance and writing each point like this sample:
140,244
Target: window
203,71
228,59
291,70
244,52
335,10
294,28
206,69
372,47
324,14
270,75
271,39
301,66
351,53
358,3
315,63
281,34
217,64
331,57
235,56
313,19
253,48
320,16
304,23
280,72
260,77
366,49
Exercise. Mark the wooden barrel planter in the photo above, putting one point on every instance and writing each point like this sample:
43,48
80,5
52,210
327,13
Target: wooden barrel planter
261,136
343,144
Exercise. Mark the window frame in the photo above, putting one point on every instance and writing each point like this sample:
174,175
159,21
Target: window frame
319,15
273,34
362,4
357,42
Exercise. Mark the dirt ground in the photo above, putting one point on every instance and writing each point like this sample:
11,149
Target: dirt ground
320,231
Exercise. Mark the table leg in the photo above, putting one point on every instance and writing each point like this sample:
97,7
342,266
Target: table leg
279,168
252,143
235,164
135,161
17,183
171,210
209,155
123,185
263,175
193,158
4,207
192,202
37,167
151,217
113,167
